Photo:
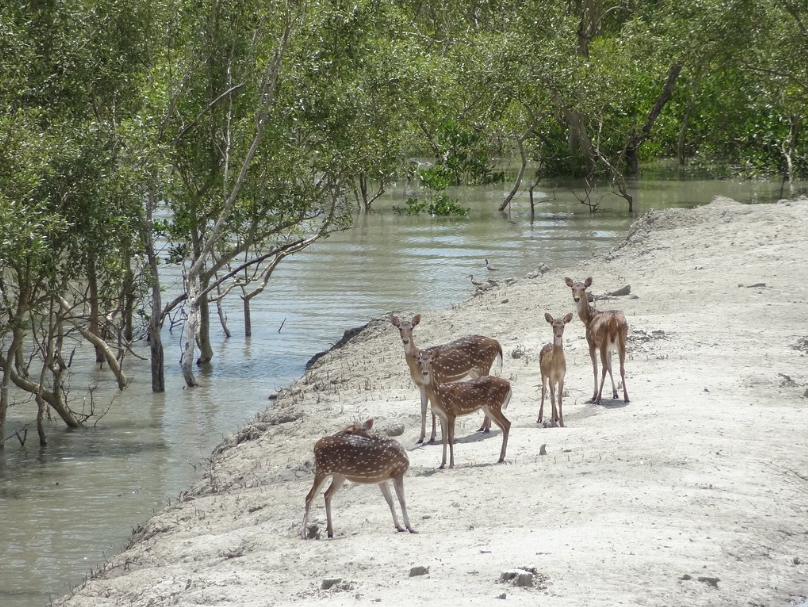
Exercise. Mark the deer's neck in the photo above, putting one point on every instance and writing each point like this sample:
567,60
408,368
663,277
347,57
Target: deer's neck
433,394
585,311
411,356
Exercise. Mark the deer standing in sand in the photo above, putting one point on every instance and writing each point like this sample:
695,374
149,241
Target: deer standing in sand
605,331
553,368
452,399
472,356
353,454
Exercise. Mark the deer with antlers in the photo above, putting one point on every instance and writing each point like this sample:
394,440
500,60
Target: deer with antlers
553,368
605,331
452,399
472,356
354,454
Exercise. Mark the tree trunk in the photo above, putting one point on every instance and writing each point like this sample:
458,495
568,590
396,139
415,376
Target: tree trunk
578,141
515,189
189,334
245,303
203,329
92,284
682,141
156,319
788,147
631,152
3,408
40,421
128,297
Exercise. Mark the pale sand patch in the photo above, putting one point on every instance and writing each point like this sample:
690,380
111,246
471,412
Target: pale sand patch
694,493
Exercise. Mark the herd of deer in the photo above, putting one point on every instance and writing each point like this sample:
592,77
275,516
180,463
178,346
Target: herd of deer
356,455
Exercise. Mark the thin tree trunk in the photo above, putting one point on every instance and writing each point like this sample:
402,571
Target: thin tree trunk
245,304
40,421
788,148
128,293
156,317
632,149
92,284
189,336
203,330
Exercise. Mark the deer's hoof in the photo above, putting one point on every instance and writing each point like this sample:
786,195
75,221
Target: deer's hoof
411,530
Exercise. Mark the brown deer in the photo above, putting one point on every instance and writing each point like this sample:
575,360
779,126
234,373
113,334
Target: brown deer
605,331
472,356
353,454
453,399
553,369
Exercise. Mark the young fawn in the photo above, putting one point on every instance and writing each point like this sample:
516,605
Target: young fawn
353,454
453,399
472,356
605,331
553,369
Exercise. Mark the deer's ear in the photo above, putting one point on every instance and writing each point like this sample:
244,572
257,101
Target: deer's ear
394,320
548,318
416,319
588,282
568,281
568,318
368,424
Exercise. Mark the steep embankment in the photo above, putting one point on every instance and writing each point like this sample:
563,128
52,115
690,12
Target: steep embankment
694,493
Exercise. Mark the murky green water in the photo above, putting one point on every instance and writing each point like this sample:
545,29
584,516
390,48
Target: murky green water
65,508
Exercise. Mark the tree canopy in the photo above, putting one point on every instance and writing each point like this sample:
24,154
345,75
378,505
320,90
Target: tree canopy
240,132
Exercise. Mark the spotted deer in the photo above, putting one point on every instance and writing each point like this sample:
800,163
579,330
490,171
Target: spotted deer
353,454
450,400
553,368
472,356
605,331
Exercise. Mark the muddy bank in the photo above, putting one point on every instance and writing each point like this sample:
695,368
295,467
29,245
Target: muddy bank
695,492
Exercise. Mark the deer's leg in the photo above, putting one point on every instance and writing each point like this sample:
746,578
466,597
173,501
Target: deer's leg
560,395
622,354
611,376
336,485
450,425
445,439
319,479
398,483
424,402
433,435
595,394
553,410
474,374
389,499
485,426
541,406
603,360
500,420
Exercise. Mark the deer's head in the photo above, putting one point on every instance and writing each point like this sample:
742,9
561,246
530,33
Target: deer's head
405,327
578,288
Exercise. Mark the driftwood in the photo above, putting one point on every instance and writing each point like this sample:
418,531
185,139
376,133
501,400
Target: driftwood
618,293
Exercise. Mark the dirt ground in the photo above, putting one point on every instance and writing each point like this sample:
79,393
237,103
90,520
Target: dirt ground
694,493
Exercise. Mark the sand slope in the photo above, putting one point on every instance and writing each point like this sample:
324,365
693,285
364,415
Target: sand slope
694,493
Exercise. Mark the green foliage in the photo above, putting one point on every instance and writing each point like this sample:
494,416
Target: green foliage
439,205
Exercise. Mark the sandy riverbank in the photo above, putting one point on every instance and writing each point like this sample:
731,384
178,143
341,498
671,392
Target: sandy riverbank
694,493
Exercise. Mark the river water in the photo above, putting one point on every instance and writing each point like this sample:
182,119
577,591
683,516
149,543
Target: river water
65,508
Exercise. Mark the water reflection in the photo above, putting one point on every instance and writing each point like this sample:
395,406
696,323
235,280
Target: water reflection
63,509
